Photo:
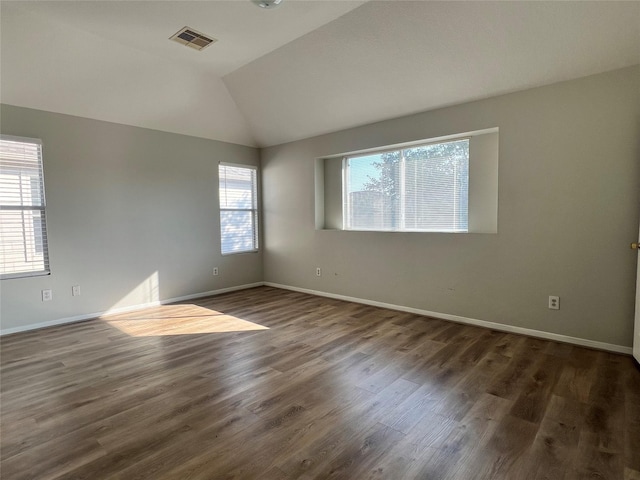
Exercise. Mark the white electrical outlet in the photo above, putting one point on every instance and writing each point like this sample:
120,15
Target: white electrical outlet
215,270
318,272
554,302
47,295
75,290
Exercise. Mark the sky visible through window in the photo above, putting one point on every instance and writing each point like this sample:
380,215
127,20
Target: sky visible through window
362,170
421,188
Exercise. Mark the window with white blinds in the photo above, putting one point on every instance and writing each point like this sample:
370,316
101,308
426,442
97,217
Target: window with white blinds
23,230
423,188
238,208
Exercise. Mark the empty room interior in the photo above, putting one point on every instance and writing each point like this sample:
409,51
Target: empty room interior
290,239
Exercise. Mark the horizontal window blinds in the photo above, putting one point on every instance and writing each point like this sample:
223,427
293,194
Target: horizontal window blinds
23,231
423,188
238,208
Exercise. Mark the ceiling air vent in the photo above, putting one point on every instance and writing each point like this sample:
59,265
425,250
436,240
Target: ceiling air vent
189,37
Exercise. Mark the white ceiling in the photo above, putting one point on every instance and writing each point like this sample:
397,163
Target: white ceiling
302,69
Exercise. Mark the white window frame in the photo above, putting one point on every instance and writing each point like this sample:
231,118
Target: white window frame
29,238
346,202
254,210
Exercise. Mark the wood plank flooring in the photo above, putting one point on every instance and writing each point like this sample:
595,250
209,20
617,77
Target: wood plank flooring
277,385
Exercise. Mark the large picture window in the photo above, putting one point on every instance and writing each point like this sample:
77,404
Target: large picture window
23,231
423,188
238,208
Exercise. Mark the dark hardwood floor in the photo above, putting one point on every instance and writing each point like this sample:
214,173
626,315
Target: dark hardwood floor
270,384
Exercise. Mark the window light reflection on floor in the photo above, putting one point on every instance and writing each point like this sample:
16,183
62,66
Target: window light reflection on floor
185,319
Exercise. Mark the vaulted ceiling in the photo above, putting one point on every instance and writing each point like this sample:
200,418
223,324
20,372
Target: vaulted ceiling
299,70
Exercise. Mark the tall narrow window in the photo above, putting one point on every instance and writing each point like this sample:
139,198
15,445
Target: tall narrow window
23,230
238,208
423,188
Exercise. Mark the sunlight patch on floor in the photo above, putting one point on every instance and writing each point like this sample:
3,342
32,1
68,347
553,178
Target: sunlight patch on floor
184,319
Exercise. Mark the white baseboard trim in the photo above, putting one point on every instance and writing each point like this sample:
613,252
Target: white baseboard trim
131,308
583,342
444,316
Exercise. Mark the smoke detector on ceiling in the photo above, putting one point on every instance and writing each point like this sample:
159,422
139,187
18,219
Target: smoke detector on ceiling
191,38
267,3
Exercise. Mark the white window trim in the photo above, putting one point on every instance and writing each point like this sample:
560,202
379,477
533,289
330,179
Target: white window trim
255,211
42,208
394,148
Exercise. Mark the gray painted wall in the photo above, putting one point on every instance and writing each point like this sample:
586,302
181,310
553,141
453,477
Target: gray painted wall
132,216
568,206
